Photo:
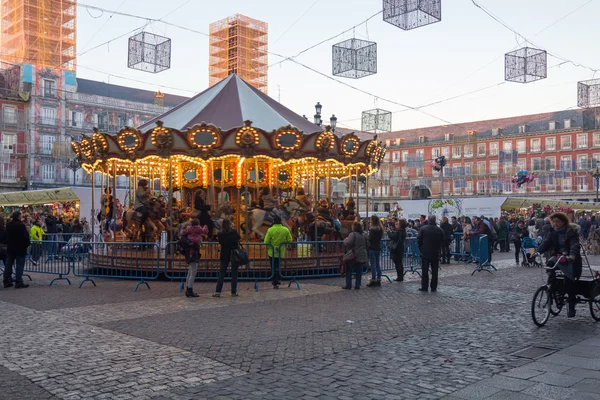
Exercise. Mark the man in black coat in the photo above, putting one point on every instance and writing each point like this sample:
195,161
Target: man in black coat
17,244
430,240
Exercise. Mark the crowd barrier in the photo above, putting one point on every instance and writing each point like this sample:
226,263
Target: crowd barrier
459,248
412,258
122,260
483,257
311,260
260,268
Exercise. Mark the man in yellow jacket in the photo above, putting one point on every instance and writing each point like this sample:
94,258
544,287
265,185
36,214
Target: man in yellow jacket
36,235
276,235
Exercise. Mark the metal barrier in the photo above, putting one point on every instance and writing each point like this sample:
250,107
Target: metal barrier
474,248
50,257
459,248
484,255
121,260
412,258
311,260
260,268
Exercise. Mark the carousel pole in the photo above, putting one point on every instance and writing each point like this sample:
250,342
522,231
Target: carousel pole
114,193
135,180
257,180
93,203
367,193
129,188
212,184
294,186
357,193
170,203
246,203
328,183
223,175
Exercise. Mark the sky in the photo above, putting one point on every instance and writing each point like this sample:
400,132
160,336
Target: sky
463,53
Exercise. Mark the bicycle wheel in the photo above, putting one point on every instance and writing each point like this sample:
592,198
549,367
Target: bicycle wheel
557,302
595,306
540,306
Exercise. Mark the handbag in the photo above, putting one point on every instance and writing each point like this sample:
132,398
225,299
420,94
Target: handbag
239,256
348,257
392,245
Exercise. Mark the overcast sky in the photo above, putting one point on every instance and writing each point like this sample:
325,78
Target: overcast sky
462,53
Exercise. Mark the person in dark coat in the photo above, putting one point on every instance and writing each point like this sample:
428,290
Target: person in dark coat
3,241
456,225
448,231
564,240
398,236
229,239
430,241
480,227
519,232
502,232
17,239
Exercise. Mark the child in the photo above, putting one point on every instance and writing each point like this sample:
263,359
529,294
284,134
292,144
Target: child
194,234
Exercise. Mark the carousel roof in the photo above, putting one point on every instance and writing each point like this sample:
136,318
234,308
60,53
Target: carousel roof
227,105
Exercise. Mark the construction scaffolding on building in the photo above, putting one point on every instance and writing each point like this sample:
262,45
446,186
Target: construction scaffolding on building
39,32
239,45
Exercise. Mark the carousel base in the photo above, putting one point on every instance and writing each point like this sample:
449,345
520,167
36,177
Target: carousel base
141,261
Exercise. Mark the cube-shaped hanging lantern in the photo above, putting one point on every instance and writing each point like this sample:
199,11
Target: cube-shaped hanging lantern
355,58
525,65
376,120
411,14
588,93
149,52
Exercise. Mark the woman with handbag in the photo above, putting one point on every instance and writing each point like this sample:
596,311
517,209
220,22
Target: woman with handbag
356,257
229,239
396,245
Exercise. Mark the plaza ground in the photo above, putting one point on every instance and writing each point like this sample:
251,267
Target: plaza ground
473,339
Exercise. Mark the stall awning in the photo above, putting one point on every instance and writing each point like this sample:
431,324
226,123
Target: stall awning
37,197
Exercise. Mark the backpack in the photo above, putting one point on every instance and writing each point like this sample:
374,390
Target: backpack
183,245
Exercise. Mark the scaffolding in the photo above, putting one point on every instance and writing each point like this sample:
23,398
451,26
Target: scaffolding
39,32
239,45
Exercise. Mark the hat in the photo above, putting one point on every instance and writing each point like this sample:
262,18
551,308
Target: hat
276,219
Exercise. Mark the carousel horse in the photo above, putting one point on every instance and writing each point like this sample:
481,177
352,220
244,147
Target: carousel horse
224,210
288,210
152,227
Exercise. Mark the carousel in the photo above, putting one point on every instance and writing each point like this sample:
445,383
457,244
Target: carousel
229,152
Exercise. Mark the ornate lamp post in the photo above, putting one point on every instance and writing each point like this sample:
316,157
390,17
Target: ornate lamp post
596,175
74,166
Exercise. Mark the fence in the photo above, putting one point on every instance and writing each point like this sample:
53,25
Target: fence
412,258
483,257
260,268
461,250
122,260
311,260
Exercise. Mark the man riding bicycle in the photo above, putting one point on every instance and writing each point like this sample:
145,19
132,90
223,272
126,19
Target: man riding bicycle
564,240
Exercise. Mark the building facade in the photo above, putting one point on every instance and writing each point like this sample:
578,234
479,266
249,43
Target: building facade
560,149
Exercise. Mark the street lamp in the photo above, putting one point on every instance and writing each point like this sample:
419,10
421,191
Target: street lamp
596,175
74,166
333,122
318,108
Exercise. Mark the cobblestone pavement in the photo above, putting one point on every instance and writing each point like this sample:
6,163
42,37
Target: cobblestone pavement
320,342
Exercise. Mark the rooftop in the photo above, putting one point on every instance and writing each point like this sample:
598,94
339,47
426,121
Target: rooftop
88,86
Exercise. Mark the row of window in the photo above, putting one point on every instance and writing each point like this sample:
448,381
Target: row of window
535,145
48,116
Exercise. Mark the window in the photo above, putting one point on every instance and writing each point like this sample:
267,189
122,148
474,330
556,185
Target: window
481,149
422,139
47,144
404,173
565,163
565,142
521,146
405,156
8,142
456,152
468,150
448,137
536,145
469,186
420,155
550,163
581,182
48,172
48,116
583,162
582,141
508,169
567,184
76,119
386,207
551,144
522,164
568,123
523,128
550,184
596,139
507,147
446,151
101,121
536,164
481,186
48,88
9,115
494,149
595,160
468,169
481,168
494,167
396,156
435,152
9,172
552,125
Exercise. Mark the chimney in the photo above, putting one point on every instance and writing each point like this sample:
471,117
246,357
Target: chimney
159,99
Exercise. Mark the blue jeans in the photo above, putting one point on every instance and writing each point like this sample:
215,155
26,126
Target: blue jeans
375,261
356,268
8,268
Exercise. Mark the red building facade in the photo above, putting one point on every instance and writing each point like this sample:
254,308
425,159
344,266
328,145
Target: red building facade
560,149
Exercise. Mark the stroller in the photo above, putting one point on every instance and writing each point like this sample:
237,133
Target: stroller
529,250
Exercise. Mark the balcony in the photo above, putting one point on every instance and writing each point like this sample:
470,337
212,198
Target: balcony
47,121
17,149
13,121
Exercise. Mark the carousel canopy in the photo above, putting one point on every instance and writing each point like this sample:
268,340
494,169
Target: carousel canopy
232,135
227,105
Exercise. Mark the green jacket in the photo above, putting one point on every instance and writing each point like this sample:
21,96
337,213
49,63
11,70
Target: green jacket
276,235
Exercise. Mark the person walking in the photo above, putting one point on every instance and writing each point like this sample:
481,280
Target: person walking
397,238
229,239
519,232
3,241
502,232
193,233
448,232
430,241
357,243
17,243
36,235
375,236
276,235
